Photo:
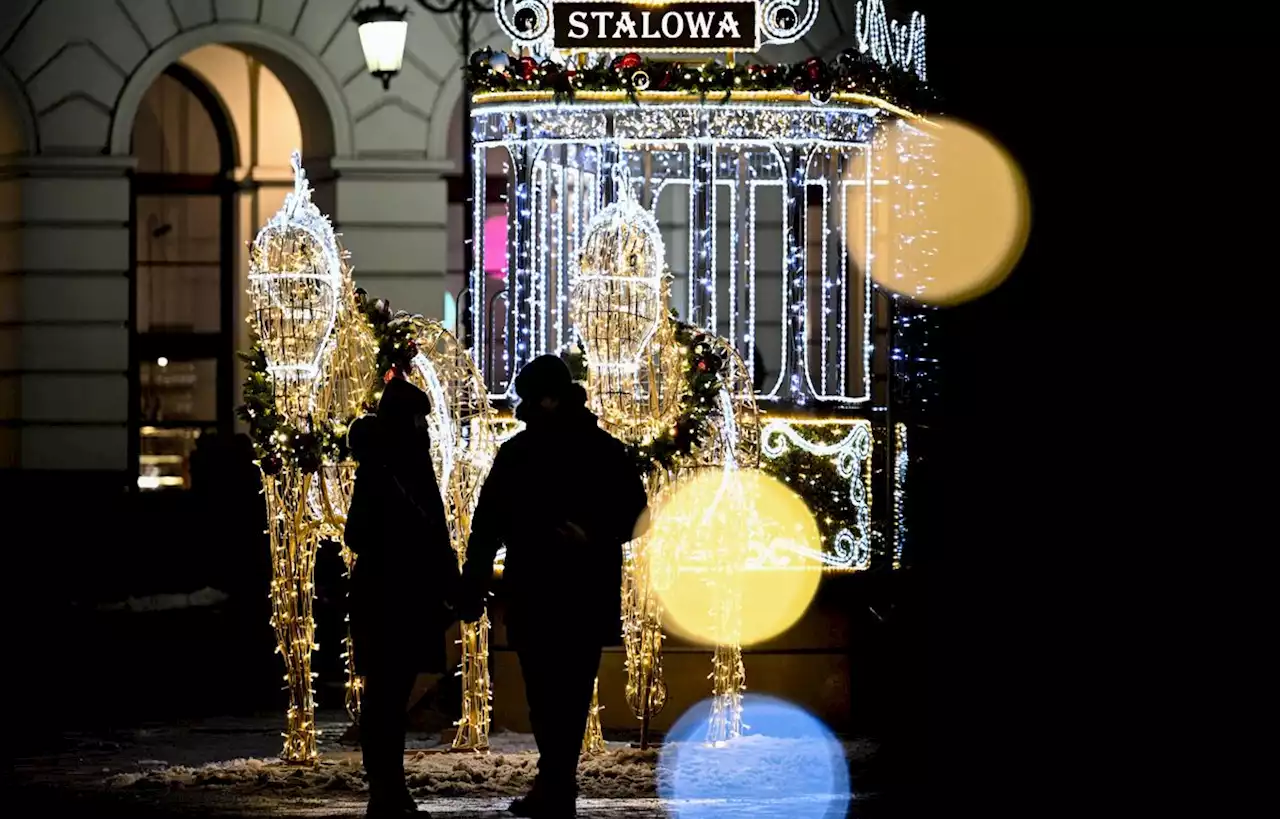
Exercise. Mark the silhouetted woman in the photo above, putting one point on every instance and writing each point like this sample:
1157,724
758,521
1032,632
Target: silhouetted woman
404,576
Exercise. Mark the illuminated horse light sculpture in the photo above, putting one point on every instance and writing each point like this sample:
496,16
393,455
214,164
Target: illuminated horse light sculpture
636,366
297,283
319,348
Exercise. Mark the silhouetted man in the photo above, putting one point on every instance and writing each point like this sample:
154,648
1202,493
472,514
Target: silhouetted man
563,496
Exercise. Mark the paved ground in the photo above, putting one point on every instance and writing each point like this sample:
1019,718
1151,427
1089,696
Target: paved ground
224,768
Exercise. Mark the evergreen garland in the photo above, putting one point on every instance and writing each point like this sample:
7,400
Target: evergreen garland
279,442
851,72
702,366
394,333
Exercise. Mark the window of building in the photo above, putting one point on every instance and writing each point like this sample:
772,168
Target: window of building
182,350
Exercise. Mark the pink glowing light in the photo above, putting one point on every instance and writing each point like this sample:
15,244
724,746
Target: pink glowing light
495,246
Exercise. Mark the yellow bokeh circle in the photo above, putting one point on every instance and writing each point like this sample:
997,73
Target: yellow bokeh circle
951,212
736,556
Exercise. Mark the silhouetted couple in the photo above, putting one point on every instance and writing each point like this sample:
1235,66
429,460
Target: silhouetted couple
563,496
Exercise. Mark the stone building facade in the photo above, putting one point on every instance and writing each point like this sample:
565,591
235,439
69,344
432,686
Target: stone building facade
74,76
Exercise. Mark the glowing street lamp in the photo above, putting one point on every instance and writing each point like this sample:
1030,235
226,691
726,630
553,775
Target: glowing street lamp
383,30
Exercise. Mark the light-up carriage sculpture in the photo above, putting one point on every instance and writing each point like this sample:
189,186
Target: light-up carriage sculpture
301,293
775,198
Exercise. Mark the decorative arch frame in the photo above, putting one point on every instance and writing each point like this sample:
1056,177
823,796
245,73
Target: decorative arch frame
446,104
322,108
442,116
207,94
19,107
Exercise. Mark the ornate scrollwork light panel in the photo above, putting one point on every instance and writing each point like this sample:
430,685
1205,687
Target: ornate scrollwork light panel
851,457
526,22
785,21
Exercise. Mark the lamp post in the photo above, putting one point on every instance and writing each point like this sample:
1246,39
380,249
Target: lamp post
383,30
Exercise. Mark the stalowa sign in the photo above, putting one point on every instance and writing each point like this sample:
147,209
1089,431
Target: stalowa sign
683,25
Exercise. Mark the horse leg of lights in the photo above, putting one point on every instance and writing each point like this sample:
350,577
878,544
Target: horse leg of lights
593,739
727,671
294,543
461,429
642,630
473,725
739,442
355,683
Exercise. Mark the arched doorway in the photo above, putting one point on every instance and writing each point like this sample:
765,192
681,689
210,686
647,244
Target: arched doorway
182,347
212,139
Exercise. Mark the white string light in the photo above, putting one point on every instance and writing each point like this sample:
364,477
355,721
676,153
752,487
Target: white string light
900,462
890,43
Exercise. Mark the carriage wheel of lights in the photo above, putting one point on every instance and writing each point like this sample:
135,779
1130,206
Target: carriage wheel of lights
464,447
296,284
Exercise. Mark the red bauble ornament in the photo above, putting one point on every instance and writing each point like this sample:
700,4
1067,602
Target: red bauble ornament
813,68
526,67
627,62
702,366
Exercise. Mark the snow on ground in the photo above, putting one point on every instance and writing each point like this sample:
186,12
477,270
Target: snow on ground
231,762
168,602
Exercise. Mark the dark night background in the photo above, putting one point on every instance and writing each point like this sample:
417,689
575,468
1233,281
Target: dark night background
971,647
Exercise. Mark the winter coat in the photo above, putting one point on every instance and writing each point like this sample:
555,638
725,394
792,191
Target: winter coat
562,469
406,570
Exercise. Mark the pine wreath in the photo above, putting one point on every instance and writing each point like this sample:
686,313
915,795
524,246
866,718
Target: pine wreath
277,441
703,371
